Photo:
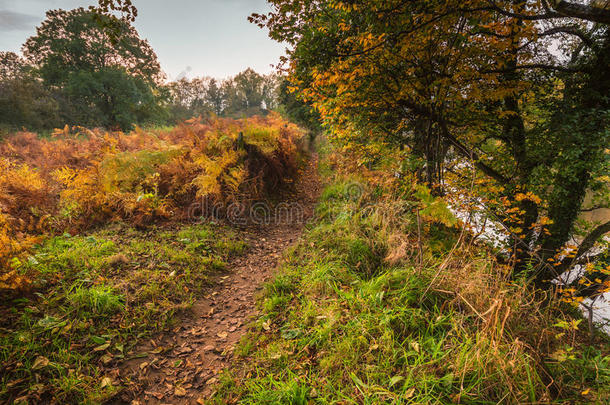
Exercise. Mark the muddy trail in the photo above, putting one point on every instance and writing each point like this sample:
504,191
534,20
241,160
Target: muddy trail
182,366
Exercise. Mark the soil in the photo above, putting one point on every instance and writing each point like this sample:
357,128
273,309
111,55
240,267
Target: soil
183,366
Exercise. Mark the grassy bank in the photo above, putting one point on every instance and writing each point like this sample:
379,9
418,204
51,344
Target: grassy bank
378,304
98,296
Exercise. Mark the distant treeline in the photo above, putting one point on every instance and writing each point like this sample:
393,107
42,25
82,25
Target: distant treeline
247,93
92,70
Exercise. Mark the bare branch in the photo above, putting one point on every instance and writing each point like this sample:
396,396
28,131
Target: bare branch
583,12
599,207
590,240
539,66
560,9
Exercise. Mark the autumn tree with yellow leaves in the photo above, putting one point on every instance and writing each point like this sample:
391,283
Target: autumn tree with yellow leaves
516,89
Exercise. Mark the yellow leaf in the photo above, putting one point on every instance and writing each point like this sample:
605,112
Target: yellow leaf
40,362
106,382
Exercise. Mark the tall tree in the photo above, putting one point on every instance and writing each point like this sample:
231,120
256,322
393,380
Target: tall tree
244,92
215,97
190,98
480,78
24,101
74,54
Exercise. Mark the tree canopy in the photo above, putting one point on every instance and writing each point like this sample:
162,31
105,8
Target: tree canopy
69,41
76,71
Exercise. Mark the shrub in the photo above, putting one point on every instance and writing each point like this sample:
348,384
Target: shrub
79,178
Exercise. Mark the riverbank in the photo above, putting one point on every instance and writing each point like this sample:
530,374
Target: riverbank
379,304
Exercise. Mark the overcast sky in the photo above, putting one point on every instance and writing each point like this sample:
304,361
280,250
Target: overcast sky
192,37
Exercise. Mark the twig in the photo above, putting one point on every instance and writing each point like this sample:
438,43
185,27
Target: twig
420,253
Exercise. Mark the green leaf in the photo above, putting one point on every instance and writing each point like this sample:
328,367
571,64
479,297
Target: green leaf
358,381
395,380
102,347
49,322
98,340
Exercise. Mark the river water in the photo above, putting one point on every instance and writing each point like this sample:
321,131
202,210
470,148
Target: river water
493,233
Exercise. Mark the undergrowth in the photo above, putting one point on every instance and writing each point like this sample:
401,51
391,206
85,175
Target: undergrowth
97,297
78,179
387,299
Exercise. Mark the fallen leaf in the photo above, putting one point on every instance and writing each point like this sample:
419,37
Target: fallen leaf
106,382
102,347
40,362
158,395
179,392
222,335
98,340
107,358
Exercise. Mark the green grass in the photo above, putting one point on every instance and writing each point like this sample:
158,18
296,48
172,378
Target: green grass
97,300
97,296
339,325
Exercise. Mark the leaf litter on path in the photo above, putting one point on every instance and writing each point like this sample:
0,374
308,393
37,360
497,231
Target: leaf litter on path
189,358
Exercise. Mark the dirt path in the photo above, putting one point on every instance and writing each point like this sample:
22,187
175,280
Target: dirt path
182,367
